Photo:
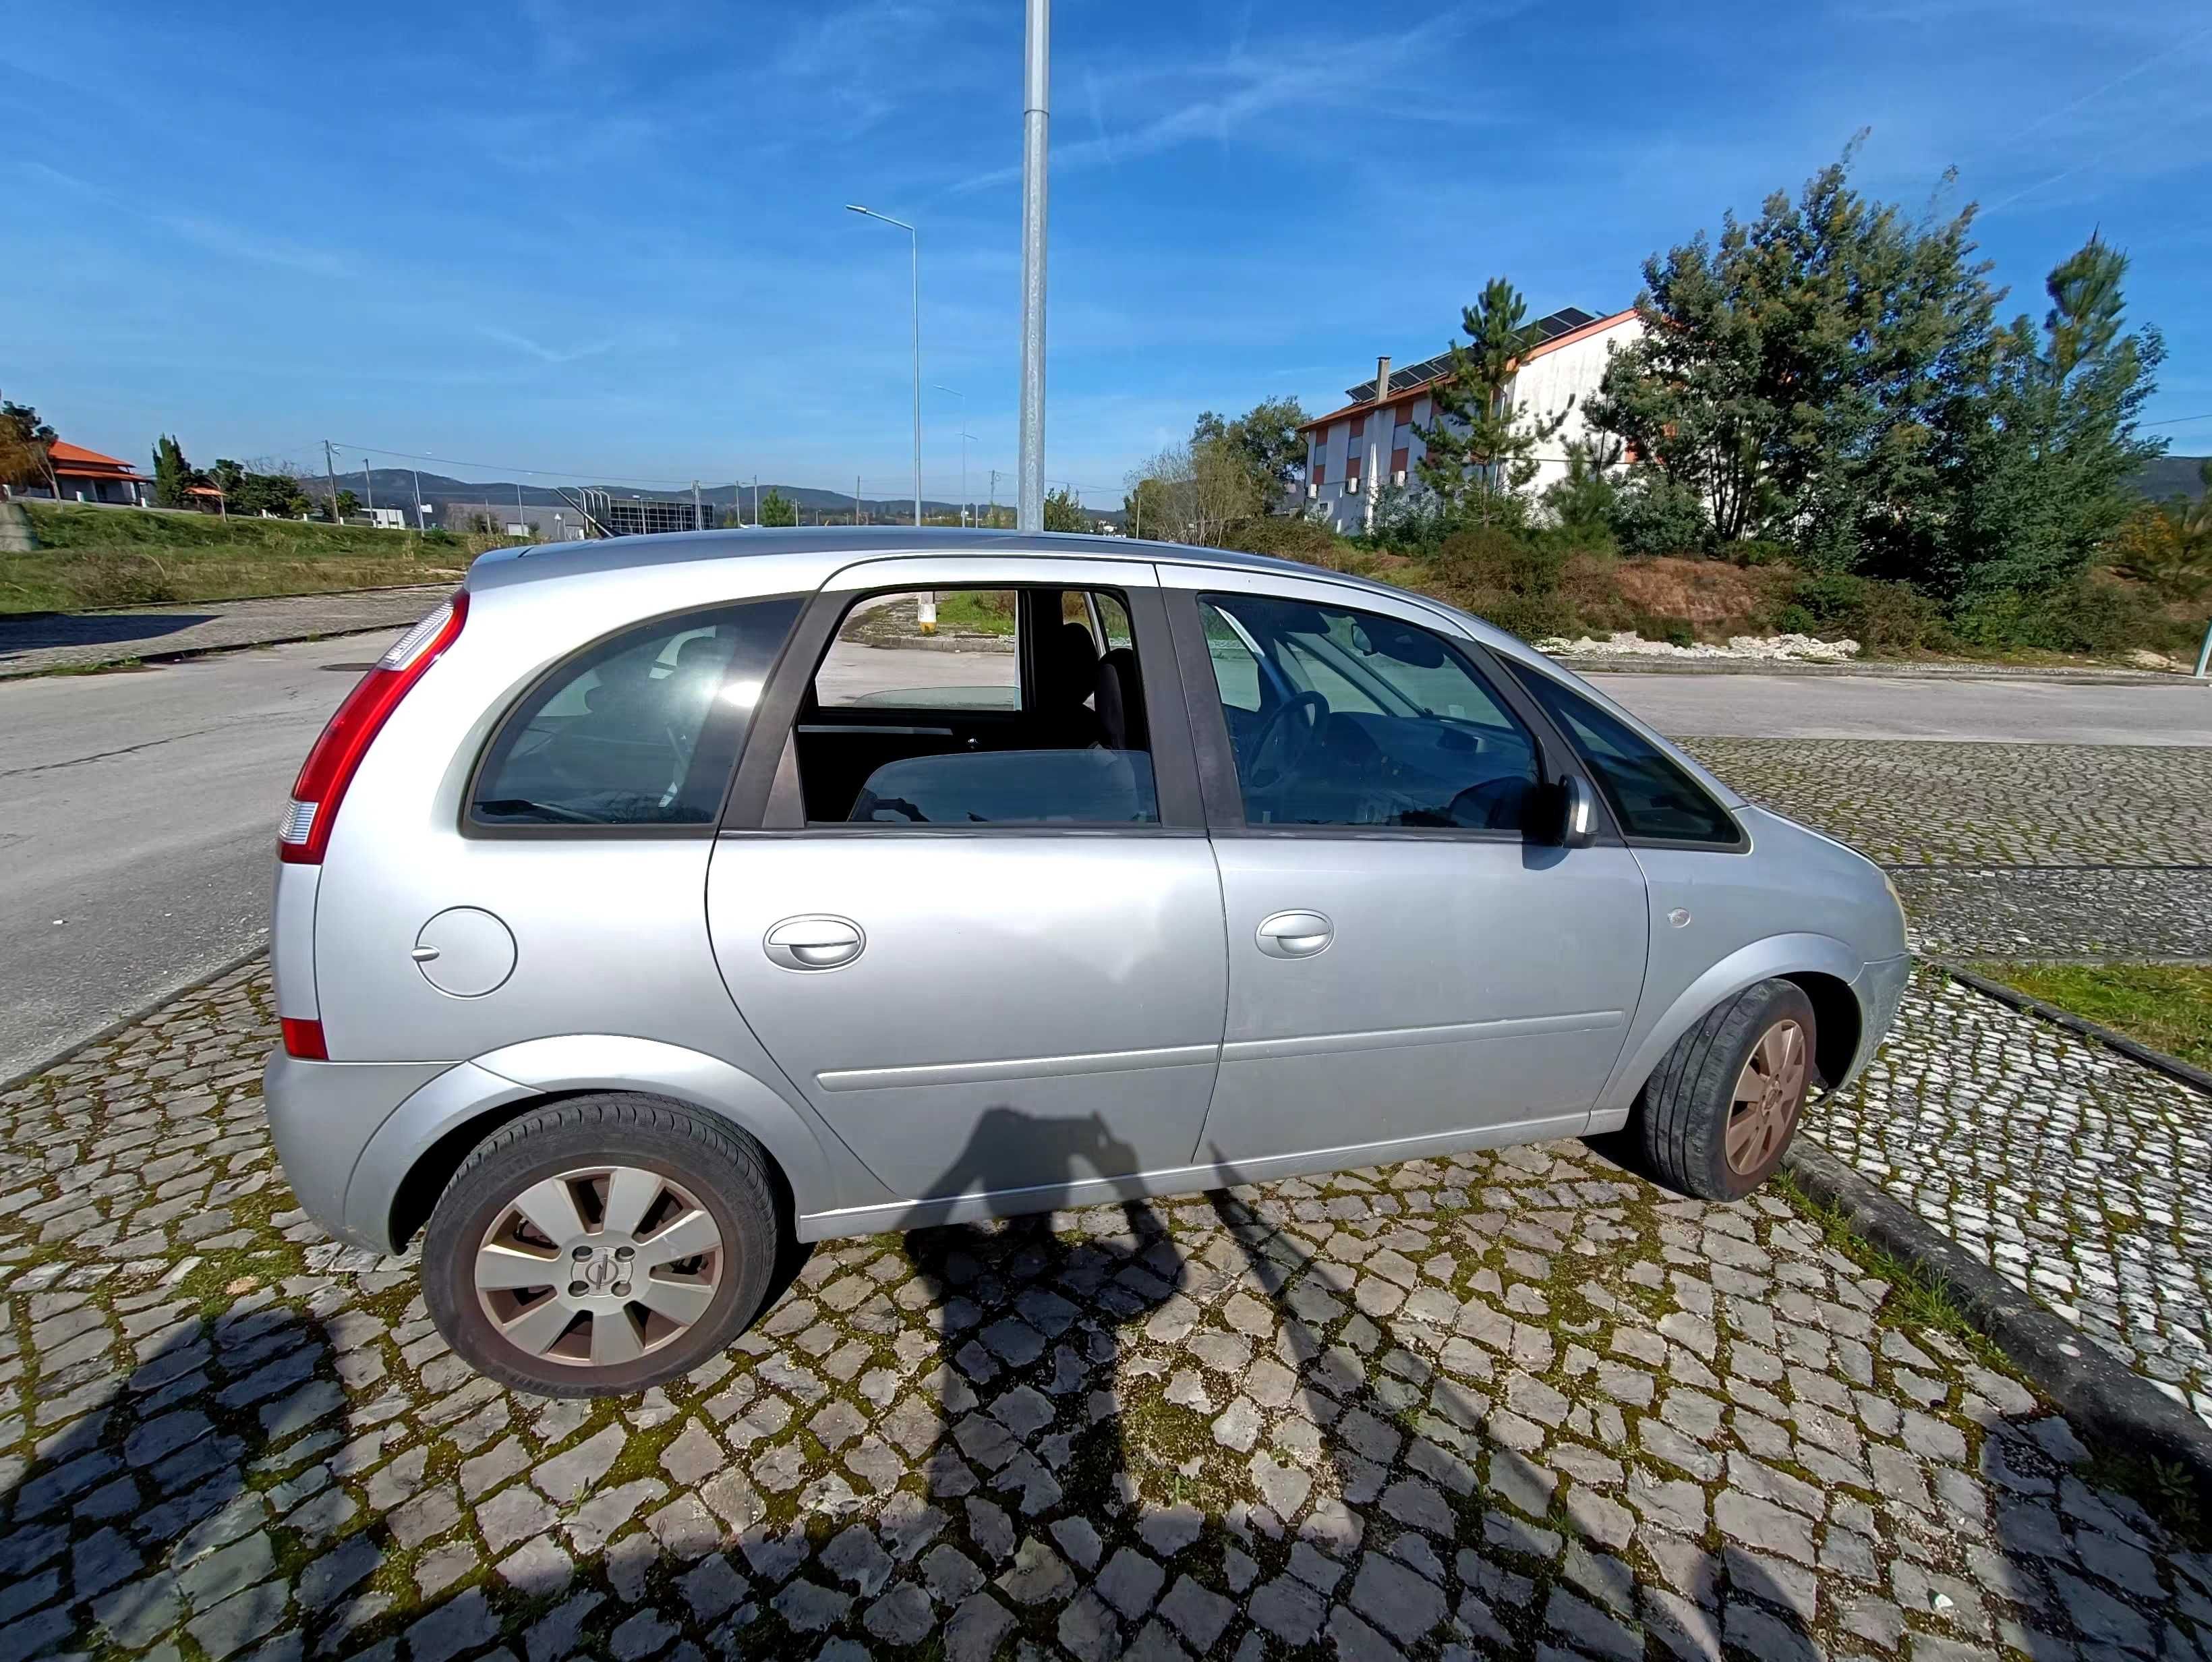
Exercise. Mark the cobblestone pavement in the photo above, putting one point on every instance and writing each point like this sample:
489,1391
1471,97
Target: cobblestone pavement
1521,1404
1923,802
38,646
2074,1172
2019,850
2059,912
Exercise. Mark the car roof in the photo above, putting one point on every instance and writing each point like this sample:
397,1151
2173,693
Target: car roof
807,556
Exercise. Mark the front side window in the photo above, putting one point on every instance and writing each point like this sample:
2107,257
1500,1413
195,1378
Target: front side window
1339,717
642,728
1653,795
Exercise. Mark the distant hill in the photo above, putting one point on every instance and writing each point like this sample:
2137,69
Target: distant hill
391,486
2171,476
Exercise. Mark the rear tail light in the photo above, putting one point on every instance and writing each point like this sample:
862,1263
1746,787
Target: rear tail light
304,1039
305,831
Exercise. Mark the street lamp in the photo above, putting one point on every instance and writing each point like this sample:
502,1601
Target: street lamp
965,437
855,207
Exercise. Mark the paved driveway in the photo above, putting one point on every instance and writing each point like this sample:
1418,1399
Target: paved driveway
1515,1405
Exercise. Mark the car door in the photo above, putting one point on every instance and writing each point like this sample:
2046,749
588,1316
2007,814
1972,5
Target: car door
1407,969
995,963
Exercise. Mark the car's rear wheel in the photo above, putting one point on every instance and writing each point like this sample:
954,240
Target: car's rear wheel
600,1246
1717,1117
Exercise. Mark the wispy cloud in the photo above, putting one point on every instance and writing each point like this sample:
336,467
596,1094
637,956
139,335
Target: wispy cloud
241,243
1243,89
544,353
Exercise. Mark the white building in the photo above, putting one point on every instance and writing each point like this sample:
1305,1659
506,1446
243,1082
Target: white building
1349,451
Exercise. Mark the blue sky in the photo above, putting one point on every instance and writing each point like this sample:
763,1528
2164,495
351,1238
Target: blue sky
610,238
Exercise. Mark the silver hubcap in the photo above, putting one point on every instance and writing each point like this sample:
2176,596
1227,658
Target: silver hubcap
599,1267
1768,1093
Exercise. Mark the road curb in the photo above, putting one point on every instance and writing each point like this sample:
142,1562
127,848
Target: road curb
2171,1066
132,1019
182,655
2101,1395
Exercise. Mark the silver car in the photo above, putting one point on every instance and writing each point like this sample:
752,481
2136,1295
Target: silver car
662,904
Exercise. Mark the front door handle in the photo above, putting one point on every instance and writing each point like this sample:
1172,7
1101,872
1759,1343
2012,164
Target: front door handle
1295,934
814,943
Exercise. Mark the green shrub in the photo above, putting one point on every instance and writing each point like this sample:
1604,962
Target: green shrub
1493,557
1294,537
1756,552
2085,616
1653,515
115,579
1880,615
1531,616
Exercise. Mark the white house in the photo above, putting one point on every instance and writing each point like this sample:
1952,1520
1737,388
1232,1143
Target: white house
1349,452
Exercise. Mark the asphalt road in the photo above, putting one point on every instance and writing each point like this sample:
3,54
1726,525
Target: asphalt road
138,826
138,811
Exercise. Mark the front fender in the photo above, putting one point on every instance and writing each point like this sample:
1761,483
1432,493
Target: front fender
582,1062
1758,961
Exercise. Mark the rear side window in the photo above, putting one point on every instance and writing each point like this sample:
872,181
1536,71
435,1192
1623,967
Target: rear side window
642,728
1654,796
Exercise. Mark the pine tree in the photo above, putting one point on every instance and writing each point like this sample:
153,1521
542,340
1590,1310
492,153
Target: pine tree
776,508
172,474
2045,470
1481,447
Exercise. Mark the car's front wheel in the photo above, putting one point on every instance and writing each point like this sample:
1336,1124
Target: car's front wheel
600,1245
1716,1118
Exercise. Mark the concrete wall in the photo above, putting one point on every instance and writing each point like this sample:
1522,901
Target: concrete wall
1563,378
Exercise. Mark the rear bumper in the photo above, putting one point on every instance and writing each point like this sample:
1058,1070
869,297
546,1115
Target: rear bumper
322,1115
1879,989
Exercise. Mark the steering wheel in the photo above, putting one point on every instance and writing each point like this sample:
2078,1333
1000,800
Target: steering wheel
1281,745
1494,805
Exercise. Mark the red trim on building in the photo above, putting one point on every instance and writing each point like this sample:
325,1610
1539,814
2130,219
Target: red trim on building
1414,395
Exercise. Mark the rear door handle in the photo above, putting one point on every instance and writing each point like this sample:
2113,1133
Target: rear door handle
814,943
1295,934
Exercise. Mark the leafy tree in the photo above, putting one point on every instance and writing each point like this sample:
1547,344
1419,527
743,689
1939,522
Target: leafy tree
348,505
1062,512
1481,448
26,447
1192,493
1266,439
2167,546
1808,374
172,474
2046,463
776,508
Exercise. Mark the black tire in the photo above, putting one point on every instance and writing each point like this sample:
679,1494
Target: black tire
724,1171
1678,1128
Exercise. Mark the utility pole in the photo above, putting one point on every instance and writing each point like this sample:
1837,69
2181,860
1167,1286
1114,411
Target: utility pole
330,467
757,501
1037,121
856,499
697,523
519,520
993,520
367,488
419,525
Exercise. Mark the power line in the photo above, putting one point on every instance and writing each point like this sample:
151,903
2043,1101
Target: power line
505,467
2178,421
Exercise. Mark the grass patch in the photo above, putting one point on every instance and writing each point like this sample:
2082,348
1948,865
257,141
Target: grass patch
109,557
2167,1007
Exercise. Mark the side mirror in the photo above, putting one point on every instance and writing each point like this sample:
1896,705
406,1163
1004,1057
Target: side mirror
1574,814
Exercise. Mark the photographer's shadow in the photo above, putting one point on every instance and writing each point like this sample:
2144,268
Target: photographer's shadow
1029,1319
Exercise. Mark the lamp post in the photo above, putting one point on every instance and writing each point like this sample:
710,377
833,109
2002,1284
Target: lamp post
965,437
915,236
1036,122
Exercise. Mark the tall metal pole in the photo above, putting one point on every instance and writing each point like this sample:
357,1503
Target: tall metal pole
698,521
419,527
1036,120
916,235
856,499
367,488
329,467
